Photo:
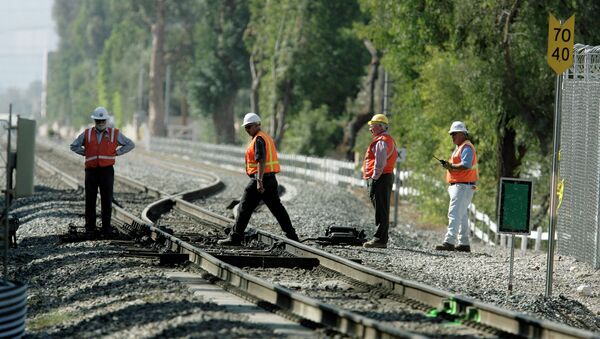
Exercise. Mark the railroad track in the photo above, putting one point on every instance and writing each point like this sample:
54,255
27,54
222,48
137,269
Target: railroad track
277,252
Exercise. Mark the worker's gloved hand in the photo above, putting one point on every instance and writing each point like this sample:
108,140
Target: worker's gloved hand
369,182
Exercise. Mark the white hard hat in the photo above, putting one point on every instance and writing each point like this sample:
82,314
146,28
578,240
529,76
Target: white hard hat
458,126
250,118
100,113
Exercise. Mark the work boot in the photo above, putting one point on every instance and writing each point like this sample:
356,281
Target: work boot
374,243
463,248
445,247
231,240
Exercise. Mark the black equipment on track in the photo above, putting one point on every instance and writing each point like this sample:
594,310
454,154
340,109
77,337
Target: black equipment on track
339,235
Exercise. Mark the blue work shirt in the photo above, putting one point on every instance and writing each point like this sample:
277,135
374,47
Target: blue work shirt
466,157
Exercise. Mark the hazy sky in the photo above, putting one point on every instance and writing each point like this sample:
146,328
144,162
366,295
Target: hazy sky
26,31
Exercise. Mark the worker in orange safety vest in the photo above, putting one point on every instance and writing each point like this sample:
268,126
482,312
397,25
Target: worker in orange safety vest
261,166
462,175
378,170
100,145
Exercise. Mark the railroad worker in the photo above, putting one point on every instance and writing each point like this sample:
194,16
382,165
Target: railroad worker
378,170
100,145
261,167
462,175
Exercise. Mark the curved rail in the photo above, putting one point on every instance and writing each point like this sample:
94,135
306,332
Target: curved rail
338,319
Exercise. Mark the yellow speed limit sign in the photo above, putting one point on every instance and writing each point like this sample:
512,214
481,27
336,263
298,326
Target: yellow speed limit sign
561,39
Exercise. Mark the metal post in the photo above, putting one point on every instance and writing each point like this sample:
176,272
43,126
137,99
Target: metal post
512,259
385,93
141,90
487,231
553,184
7,193
43,106
167,95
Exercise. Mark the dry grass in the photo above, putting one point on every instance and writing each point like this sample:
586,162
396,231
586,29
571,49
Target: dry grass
49,319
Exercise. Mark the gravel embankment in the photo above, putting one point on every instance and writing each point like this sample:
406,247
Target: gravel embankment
482,275
89,289
86,289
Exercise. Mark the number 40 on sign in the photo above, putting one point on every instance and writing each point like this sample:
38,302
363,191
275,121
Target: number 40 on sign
561,39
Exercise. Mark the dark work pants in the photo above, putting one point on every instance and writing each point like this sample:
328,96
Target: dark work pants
250,200
380,192
98,178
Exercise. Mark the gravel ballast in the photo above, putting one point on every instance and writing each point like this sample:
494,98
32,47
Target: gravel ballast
87,289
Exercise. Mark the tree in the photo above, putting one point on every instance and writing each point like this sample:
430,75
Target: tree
72,69
477,61
157,72
368,107
222,65
303,51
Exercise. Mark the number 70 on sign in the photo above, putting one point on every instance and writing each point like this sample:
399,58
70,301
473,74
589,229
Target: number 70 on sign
561,39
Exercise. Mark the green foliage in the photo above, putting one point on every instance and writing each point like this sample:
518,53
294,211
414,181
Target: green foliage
307,52
313,132
223,66
72,85
480,61
116,78
331,62
104,45
471,61
117,108
308,47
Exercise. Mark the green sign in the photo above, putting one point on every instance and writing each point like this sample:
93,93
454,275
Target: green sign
514,205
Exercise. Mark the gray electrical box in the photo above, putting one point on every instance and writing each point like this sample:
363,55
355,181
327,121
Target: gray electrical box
25,161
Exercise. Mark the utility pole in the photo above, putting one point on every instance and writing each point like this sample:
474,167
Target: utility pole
167,95
385,104
43,106
141,90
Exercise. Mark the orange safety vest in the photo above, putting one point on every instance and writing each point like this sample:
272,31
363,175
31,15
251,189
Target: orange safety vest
465,175
101,154
369,163
272,163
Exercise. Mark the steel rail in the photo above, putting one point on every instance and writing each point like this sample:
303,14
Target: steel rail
460,306
303,306
308,308
67,179
338,319
464,307
75,184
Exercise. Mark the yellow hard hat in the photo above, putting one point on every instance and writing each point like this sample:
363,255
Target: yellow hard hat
378,119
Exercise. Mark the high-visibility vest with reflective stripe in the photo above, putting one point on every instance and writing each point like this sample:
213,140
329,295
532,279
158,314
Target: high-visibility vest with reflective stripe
271,161
464,175
101,154
392,154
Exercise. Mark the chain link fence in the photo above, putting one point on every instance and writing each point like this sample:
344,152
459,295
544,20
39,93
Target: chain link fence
578,228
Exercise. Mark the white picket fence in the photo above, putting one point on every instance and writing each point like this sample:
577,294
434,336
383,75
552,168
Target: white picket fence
344,173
